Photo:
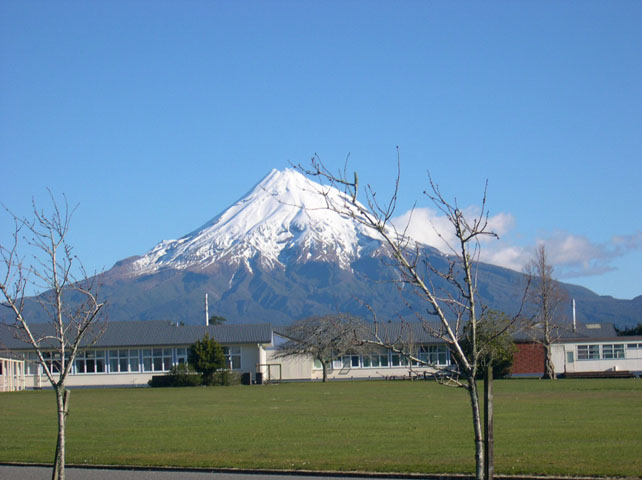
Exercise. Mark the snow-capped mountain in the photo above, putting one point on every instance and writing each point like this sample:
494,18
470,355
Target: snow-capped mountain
268,259
282,219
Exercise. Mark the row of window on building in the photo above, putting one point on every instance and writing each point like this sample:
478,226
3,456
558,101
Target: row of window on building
605,351
125,360
428,354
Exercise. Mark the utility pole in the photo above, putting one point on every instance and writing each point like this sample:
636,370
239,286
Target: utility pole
207,313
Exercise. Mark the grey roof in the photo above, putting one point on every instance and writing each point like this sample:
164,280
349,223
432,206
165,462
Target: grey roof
407,332
566,333
151,333
424,332
393,332
590,330
165,333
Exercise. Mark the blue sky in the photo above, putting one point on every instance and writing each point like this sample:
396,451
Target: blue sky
155,116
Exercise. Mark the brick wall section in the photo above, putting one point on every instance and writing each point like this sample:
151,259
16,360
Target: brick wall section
529,359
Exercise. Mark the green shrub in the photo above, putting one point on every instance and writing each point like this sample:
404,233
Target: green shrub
184,375
206,356
226,378
181,375
495,341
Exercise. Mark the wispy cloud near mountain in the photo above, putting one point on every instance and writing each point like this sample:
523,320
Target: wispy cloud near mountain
574,256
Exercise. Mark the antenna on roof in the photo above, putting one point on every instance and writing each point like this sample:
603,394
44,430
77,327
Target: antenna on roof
574,321
207,315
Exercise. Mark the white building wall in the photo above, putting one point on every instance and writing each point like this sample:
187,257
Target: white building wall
558,355
292,368
95,380
250,358
567,359
349,373
107,379
303,367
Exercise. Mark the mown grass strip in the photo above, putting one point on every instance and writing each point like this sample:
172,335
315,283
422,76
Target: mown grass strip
570,427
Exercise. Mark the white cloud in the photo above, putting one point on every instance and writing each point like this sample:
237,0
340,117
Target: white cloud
572,255
512,257
578,256
427,226
501,223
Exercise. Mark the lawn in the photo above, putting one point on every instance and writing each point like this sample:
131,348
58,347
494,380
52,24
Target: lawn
566,427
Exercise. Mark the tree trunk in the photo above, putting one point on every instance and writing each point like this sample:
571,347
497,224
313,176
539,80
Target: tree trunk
549,368
477,427
62,402
325,370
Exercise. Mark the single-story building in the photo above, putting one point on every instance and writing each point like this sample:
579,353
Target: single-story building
580,349
130,353
370,362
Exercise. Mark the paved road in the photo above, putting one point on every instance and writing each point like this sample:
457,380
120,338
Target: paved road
8,472
44,473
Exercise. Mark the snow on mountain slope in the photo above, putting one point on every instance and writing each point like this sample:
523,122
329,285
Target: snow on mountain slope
267,224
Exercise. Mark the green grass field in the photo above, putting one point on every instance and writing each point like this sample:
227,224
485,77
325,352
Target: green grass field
566,427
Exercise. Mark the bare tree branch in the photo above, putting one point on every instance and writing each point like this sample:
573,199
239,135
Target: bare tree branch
54,271
322,338
453,310
546,296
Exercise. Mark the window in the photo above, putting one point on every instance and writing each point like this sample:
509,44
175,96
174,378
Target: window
588,352
375,360
157,359
613,351
433,355
618,350
569,357
232,357
181,355
90,361
31,365
633,346
398,360
52,359
123,361
351,361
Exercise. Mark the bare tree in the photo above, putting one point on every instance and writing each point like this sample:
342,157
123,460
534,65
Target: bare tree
57,272
454,306
547,296
321,338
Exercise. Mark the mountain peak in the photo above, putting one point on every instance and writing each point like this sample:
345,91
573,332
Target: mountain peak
282,178
289,188
282,218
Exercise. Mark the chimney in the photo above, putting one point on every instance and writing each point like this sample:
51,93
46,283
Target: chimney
574,320
207,314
